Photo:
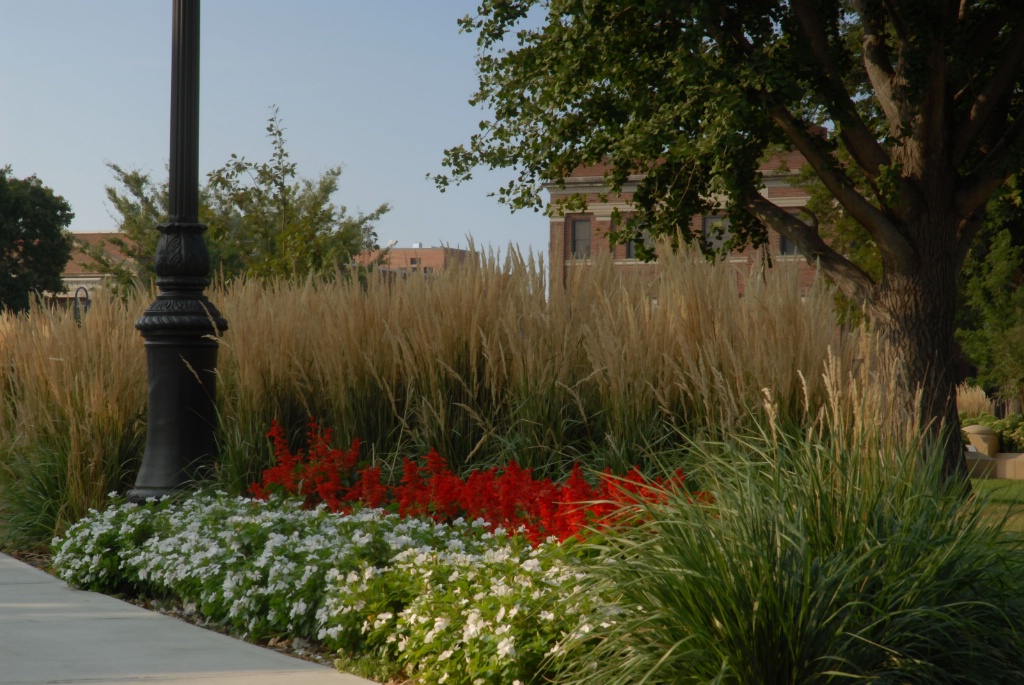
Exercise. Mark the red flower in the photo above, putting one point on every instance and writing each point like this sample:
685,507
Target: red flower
368,490
513,499
320,475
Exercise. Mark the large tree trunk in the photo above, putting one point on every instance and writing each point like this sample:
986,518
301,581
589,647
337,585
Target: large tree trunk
914,312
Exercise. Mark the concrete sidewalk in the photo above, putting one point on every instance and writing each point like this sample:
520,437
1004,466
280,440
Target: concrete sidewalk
50,633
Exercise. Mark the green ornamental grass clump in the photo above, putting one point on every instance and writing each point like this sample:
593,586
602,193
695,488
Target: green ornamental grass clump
816,563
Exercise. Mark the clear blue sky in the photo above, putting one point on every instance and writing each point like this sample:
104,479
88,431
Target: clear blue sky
379,88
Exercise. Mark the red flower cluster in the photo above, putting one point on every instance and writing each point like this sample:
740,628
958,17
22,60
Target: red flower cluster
509,497
323,475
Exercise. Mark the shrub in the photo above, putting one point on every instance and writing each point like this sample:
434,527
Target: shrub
817,564
1010,429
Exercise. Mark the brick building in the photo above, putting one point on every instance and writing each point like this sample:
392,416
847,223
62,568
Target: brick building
415,259
576,237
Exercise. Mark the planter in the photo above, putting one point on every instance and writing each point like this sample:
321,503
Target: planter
1008,465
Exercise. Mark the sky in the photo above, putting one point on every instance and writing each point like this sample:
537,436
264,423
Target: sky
379,88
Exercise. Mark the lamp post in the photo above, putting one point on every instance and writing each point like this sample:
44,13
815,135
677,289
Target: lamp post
181,326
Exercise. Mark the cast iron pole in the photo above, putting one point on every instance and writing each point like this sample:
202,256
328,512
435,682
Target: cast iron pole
181,326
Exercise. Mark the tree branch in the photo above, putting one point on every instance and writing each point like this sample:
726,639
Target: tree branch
864,147
991,173
892,243
966,232
850,278
879,66
988,98
988,29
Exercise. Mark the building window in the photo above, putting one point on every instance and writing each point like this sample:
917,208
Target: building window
787,248
631,245
715,231
581,238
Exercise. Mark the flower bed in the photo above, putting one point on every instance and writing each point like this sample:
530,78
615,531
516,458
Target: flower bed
464,580
509,497
447,602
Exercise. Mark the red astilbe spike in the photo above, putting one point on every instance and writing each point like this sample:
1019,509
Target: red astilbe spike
445,487
368,490
318,475
479,495
571,508
412,495
509,484
281,476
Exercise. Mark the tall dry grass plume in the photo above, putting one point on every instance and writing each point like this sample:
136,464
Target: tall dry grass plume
972,401
72,415
486,362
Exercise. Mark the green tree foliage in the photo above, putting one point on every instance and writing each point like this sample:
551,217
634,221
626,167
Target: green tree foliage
263,220
35,244
991,329
140,205
910,113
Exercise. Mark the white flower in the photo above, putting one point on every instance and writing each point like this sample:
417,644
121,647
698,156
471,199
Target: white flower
474,626
507,647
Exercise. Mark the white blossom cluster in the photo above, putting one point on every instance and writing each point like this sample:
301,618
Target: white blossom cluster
456,603
490,617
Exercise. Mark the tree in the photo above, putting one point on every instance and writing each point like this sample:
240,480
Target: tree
991,323
35,244
141,205
921,103
262,220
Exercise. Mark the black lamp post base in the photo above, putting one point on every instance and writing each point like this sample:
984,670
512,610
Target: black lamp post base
182,416
142,495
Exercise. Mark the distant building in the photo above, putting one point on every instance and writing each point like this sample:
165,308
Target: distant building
576,237
415,259
81,272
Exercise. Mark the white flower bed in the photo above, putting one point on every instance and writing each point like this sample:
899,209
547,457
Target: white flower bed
452,603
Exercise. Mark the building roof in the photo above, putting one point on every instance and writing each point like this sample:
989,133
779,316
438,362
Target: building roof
81,264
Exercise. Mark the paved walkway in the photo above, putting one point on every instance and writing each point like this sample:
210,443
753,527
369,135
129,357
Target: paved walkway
50,633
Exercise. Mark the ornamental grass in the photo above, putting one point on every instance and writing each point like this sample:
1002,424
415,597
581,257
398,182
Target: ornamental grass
820,562
485,363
